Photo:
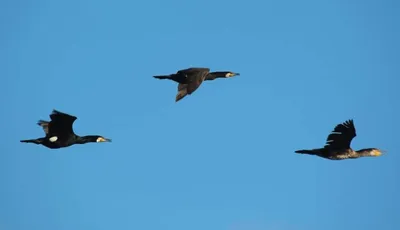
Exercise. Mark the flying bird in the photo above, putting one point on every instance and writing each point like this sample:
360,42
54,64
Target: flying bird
338,142
190,79
59,132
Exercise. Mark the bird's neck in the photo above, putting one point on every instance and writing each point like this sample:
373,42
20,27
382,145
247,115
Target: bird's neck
214,75
84,139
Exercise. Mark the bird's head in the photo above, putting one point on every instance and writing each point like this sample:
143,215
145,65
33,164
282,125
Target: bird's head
376,152
370,152
231,74
102,139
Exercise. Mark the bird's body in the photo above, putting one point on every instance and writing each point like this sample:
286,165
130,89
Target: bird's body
60,134
189,80
337,146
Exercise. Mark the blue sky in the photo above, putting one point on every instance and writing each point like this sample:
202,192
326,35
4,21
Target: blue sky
222,158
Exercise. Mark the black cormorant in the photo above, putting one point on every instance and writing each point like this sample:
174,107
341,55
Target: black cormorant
190,79
337,145
60,134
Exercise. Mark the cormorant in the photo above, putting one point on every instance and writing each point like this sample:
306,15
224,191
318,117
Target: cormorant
190,79
337,145
60,134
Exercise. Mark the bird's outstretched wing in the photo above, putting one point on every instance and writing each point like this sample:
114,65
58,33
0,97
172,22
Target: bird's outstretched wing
61,123
195,79
341,136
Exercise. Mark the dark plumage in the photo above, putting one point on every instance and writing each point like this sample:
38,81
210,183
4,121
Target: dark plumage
60,134
338,143
190,79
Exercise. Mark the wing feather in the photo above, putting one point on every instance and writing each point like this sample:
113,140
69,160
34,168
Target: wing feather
341,136
61,123
194,81
44,125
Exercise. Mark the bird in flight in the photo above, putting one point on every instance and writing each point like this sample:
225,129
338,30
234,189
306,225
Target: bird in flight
59,132
338,143
190,79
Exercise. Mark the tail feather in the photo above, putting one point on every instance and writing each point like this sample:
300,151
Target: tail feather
162,77
34,141
305,151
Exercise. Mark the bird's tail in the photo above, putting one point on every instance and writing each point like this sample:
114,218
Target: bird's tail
307,151
162,77
34,141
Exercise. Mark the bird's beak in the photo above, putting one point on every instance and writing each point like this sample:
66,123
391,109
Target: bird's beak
378,153
236,74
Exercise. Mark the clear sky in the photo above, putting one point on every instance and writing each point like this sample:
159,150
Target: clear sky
222,158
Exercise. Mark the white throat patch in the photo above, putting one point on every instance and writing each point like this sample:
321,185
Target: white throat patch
53,139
